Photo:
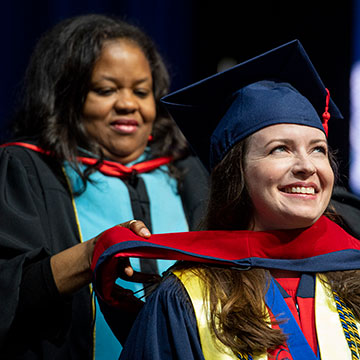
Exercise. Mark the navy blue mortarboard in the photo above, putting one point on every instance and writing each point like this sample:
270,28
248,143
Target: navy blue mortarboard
279,86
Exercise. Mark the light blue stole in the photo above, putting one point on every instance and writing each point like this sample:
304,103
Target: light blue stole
106,203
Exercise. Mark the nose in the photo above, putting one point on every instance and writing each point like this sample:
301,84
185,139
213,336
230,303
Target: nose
303,166
125,102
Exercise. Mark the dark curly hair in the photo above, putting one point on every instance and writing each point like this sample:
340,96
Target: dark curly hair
58,79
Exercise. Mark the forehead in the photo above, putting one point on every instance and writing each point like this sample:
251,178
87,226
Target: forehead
121,50
120,42
121,59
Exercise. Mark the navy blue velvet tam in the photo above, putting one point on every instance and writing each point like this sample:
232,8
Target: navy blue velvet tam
279,86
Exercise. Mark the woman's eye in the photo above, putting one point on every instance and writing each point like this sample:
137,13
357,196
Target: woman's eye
142,93
280,148
320,149
104,91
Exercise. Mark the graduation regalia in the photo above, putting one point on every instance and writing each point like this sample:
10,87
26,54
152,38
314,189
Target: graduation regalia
37,221
277,87
169,313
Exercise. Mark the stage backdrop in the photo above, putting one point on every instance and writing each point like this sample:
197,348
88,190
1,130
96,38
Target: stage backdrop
355,103
198,38
22,22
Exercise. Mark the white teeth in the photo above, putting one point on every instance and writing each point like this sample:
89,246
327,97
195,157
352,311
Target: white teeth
300,190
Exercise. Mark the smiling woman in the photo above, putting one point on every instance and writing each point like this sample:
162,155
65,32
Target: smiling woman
288,176
280,283
92,147
120,109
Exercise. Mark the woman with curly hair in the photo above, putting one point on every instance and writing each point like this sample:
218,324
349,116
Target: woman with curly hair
92,148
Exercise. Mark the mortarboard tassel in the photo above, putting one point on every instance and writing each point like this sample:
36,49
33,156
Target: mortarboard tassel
326,114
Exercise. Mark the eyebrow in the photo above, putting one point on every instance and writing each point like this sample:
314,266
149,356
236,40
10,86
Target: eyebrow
112,79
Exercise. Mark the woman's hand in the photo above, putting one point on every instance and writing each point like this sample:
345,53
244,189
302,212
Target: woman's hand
71,268
125,271
139,228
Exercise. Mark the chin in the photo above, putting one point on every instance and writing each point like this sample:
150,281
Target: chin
296,222
287,220
292,221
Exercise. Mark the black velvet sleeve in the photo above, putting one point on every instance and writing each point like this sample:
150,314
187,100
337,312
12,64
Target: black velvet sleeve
30,305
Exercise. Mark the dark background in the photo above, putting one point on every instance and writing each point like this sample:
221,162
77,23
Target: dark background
194,36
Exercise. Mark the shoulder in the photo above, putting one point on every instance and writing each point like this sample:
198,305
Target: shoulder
171,289
34,165
34,196
193,189
20,155
347,205
192,165
172,298
14,151
18,165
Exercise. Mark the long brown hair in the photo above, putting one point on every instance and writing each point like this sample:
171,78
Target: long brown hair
238,318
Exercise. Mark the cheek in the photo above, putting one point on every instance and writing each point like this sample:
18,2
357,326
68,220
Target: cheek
330,179
147,130
326,174
255,179
94,109
263,173
149,112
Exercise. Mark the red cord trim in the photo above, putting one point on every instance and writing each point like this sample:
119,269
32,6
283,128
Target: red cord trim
110,168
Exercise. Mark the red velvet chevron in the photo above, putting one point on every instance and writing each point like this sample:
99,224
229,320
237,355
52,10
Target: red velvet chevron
322,247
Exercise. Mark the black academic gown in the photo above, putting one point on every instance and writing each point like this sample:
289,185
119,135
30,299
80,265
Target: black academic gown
168,324
347,205
37,221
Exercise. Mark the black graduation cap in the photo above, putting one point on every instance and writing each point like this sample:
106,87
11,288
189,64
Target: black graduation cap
279,86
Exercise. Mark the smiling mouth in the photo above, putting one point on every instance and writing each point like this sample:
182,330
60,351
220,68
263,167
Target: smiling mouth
299,190
125,126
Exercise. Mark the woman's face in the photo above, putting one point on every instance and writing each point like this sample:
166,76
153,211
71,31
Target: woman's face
288,176
119,109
